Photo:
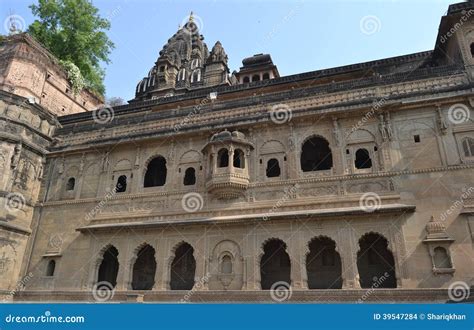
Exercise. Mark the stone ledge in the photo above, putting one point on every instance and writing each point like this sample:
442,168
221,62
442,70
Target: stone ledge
390,208
426,295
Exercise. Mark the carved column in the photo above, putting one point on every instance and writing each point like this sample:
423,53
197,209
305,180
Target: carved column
338,153
201,277
161,269
136,181
348,252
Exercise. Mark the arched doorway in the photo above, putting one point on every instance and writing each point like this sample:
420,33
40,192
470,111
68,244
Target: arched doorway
109,266
375,262
275,264
183,268
323,264
144,269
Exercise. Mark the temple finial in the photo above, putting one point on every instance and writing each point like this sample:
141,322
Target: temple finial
191,18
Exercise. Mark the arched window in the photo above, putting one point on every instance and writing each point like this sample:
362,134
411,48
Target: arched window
239,159
155,175
182,75
183,268
109,267
323,264
362,159
223,158
316,155
189,177
121,185
195,63
472,49
275,264
144,269
255,77
266,76
71,183
226,265
50,268
196,76
468,147
273,168
441,258
246,80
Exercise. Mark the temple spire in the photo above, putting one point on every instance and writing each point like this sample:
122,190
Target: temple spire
191,17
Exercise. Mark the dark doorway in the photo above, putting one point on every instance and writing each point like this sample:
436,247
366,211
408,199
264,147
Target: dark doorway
273,168
155,175
316,155
323,264
109,266
275,264
183,268
362,159
189,177
375,262
121,185
144,269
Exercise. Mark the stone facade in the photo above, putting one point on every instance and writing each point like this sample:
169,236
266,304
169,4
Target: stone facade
27,69
333,182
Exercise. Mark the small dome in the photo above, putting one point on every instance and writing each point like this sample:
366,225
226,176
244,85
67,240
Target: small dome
238,135
224,135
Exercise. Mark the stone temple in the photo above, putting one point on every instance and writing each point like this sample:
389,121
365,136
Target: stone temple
351,183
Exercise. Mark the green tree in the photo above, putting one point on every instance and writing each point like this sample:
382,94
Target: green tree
75,33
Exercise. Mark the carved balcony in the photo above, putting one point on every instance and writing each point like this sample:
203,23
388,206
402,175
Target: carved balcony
227,154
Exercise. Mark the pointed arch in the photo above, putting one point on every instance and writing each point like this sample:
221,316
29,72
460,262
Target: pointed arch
144,267
375,262
275,264
109,265
323,264
183,267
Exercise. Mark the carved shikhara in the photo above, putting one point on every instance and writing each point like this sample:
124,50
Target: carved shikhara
68,169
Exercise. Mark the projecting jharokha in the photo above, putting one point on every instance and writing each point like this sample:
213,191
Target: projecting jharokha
212,185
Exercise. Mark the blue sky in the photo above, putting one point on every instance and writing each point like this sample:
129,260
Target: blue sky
300,35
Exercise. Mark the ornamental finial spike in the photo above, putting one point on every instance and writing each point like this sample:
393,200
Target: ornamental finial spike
191,18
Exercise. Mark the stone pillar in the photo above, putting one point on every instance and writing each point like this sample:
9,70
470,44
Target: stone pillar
295,262
124,268
348,254
293,161
161,269
201,277
231,159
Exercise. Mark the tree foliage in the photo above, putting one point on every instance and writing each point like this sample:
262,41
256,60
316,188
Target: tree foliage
74,32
